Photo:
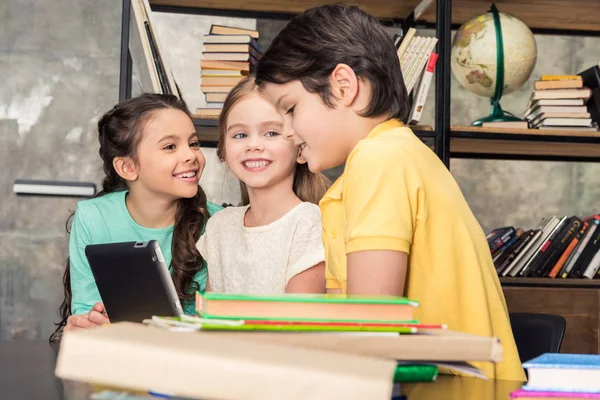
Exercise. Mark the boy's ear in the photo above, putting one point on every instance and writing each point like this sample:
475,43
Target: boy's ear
344,84
126,168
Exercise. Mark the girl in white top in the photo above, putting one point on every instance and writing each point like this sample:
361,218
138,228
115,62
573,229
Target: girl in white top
272,244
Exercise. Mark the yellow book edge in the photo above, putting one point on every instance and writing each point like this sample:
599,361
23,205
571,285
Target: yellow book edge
560,77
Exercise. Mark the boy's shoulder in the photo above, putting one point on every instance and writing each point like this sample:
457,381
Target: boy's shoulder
390,143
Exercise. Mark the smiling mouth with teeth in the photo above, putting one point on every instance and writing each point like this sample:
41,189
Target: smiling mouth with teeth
256,164
187,175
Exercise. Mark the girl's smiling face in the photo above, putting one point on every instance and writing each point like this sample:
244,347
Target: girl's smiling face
169,160
255,150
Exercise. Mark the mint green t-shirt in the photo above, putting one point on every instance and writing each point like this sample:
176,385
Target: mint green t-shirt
105,219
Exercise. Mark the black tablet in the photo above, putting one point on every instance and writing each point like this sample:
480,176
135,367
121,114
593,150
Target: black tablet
133,280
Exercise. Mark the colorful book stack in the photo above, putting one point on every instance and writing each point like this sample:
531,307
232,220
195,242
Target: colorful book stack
559,102
561,377
559,247
228,55
317,313
417,62
271,347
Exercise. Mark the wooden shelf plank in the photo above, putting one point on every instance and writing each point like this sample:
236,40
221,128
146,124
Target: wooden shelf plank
581,15
533,132
525,149
576,15
524,143
384,9
549,282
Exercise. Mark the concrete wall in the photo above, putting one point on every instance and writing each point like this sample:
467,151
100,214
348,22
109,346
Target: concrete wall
60,64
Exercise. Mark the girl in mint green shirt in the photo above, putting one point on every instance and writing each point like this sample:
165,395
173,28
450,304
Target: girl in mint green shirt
152,160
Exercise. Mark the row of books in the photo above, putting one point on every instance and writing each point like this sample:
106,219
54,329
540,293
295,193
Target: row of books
228,55
417,62
244,345
559,247
561,376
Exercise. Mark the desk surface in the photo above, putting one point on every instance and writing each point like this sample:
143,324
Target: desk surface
27,372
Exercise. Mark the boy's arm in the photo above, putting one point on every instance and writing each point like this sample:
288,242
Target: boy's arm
377,272
381,207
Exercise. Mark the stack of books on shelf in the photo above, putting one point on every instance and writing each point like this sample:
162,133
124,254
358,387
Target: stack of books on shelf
561,377
417,62
274,347
559,247
228,55
559,102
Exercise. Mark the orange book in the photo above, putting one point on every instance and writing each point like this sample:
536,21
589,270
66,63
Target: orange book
220,80
565,255
559,84
222,64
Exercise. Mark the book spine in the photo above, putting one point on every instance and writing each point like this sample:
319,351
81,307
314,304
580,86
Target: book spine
527,237
567,253
579,250
423,90
499,242
405,42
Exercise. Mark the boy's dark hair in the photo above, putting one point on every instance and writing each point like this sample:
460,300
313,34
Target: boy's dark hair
314,42
120,131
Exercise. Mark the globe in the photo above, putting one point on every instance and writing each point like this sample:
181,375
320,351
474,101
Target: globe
493,54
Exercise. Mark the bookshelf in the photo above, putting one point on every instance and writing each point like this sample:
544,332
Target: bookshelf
400,13
577,300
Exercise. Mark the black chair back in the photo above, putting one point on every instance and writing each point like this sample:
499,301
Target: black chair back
536,334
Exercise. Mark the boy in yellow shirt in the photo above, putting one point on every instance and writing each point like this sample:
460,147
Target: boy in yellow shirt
395,222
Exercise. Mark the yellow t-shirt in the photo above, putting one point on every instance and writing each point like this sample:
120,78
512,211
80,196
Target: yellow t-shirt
395,194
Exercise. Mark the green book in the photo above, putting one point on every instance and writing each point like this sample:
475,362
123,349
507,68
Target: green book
306,307
310,298
415,373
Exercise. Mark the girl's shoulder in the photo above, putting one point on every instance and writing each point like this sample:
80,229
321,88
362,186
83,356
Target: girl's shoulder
105,202
213,208
225,215
306,210
303,214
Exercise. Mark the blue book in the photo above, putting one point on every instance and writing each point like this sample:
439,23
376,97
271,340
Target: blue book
576,373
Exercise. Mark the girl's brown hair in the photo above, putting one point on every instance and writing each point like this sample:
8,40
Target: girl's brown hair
119,135
308,186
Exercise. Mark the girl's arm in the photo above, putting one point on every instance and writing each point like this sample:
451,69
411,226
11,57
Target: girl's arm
208,289
306,269
311,280
86,306
84,292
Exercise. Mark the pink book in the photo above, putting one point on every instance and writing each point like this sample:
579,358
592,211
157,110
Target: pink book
553,395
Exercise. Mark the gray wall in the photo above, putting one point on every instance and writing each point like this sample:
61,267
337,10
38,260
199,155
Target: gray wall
59,61
60,64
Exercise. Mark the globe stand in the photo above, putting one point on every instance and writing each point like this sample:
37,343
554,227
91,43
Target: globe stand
497,114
